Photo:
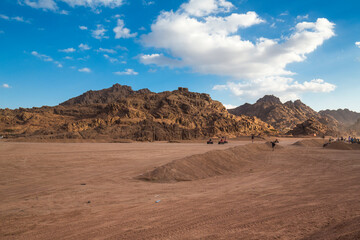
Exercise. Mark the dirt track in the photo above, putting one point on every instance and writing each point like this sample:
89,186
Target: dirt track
291,193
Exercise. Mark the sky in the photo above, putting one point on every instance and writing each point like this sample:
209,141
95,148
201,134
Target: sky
236,51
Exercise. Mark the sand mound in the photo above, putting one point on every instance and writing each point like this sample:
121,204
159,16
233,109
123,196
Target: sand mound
310,143
343,146
206,165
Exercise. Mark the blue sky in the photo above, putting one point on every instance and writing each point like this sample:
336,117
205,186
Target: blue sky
237,51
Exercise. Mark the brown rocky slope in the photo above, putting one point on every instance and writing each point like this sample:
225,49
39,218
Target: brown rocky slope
287,116
121,113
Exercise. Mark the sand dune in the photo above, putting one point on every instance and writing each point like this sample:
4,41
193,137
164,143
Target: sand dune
310,143
208,164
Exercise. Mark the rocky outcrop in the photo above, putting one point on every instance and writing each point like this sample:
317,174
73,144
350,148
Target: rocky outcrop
120,112
313,127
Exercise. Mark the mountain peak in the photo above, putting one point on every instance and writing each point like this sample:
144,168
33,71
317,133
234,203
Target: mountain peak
269,99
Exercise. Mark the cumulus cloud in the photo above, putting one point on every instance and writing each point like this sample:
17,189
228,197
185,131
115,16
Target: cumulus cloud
52,4
83,27
200,8
204,35
5,85
46,58
285,88
85,70
127,72
84,47
357,44
99,32
121,31
67,50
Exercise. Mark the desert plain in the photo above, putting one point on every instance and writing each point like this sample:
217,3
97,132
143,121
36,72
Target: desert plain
96,191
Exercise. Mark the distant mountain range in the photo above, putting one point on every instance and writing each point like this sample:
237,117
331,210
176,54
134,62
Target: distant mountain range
119,112
344,116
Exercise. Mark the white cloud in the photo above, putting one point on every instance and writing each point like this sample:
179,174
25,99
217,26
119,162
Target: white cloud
200,8
41,4
121,31
46,58
99,32
64,12
121,48
195,36
86,70
285,88
17,18
52,4
127,72
112,51
357,44
161,60
83,27
148,3
299,17
95,3
2,16
67,50
229,106
111,59
84,47
5,85
42,56
68,58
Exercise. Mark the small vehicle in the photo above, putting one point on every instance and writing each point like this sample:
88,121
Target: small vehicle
222,140
210,141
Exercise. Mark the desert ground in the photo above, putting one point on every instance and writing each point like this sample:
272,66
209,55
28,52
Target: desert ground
93,191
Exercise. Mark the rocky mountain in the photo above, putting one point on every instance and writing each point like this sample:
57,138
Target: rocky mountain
290,117
283,116
121,113
108,95
344,116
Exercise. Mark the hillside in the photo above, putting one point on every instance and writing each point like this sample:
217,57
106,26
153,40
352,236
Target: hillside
121,113
285,117
344,116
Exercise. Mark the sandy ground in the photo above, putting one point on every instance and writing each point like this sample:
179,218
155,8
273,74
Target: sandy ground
88,191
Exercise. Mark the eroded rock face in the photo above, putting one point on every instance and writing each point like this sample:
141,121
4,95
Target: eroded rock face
313,127
283,116
120,112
